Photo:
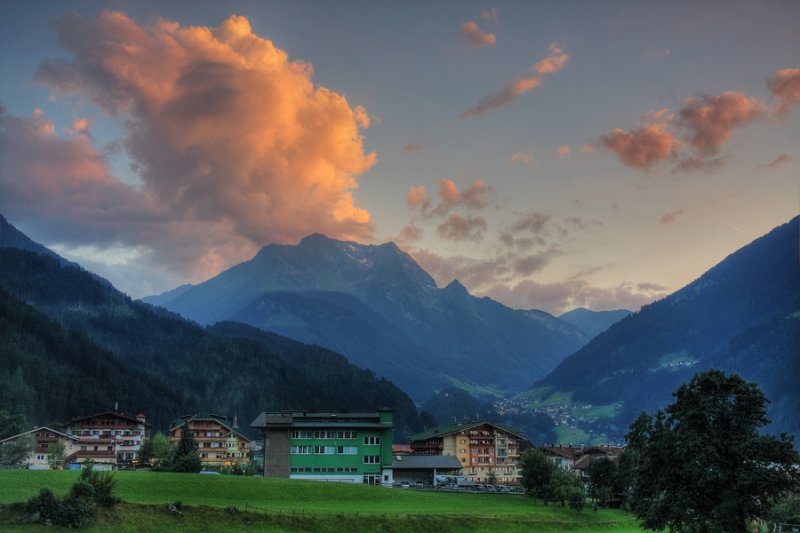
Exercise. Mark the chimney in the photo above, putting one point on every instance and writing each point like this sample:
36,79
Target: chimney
116,407
140,417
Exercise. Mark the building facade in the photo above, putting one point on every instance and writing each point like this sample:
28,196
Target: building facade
342,446
43,439
486,451
109,439
219,441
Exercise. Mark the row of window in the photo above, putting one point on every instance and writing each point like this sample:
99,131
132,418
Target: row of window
297,434
324,450
89,432
325,469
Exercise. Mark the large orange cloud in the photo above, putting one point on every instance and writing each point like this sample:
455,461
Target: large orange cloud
642,148
785,87
710,120
476,37
225,130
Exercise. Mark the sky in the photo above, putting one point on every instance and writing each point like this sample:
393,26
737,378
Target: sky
549,155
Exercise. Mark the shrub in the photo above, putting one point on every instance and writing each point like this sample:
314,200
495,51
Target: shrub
45,503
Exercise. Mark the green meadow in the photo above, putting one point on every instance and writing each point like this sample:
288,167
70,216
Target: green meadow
230,503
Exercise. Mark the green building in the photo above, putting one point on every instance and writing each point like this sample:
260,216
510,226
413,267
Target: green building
343,446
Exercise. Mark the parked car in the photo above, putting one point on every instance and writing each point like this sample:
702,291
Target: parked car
404,484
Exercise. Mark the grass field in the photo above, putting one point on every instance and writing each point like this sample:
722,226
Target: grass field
301,506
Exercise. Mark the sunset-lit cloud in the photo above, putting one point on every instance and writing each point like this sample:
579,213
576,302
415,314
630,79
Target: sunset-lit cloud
710,120
490,15
564,151
669,218
414,148
526,158
233,142
554,62
476,37
779,161
588,148
643,148
476,196
785,87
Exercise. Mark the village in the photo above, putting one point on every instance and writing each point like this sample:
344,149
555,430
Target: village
330,446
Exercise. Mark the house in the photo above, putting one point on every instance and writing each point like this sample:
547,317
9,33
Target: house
341,446
579,459
413,469
562,456
485,450
219,441
43,438
109,439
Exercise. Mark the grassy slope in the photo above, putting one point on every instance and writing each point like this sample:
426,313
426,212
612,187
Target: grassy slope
299,506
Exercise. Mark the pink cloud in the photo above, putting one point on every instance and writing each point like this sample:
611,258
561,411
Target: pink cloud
698,164
410,234
476,196
476,37
785,87
564,151
554,62
526,158
781,160
710,120
588,148
643,148
414,149
669,218
228,135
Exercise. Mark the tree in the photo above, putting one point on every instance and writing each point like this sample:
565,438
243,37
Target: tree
701,464
55,455
537,470
14,453
155,450
186,458
602,474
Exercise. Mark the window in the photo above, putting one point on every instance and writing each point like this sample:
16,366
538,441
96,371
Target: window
372,459
302,434
372,479
372,441
325,450
347,450
301,450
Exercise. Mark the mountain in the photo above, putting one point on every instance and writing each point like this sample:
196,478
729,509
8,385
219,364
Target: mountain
374,304
593,323
11,237
164,297
742,316
95,345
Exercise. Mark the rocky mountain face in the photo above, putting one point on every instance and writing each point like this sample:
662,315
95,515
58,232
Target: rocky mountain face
742,316
377,306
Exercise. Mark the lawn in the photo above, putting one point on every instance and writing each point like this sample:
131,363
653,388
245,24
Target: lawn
299,506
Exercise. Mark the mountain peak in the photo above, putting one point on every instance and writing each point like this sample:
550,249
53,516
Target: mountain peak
314,238
456,287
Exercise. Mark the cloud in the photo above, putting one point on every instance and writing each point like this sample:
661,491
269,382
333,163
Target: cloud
643,148
474,197
414,149
588,148
554,62
698,164
785,87
669,218
526,158
410,234
558,298
710,120
564,151
655,56
490,15
459,228
781,160
476,37
234,143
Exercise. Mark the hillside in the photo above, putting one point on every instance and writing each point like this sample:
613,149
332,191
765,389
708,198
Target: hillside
218,374
741,316
375,305
593,323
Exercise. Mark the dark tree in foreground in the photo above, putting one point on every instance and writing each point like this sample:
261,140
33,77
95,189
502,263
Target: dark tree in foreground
186,458
701,465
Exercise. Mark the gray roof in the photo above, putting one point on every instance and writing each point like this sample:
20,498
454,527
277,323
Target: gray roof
321,419
426,462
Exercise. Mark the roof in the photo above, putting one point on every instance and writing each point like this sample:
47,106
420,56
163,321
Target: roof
449,429
354,419
221,420
567,452
109,413
426,462
59,433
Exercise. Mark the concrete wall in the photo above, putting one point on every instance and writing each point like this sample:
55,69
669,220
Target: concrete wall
277,459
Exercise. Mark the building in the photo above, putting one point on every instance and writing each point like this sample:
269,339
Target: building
485,451
413,469
219,441
44,438
579,459
109,439
343,446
